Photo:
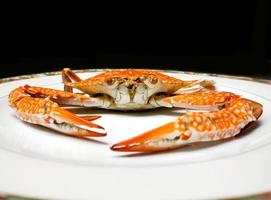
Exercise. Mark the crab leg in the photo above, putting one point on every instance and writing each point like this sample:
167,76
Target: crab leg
47,113
68,98
195,86
67,77
196,127
203,99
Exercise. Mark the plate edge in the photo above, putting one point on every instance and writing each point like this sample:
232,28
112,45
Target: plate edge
36,75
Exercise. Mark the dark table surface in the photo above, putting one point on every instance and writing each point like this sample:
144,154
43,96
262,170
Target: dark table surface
240,66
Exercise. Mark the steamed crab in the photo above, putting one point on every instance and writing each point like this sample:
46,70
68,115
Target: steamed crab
221,114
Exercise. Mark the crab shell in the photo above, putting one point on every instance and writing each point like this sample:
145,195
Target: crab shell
130,89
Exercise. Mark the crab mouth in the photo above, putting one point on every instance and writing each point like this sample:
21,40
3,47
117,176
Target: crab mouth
133,91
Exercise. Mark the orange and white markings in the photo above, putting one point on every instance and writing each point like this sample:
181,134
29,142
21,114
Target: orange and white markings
186,135
196,127
112,77
52,93
47,113
203,99
225,114
65,97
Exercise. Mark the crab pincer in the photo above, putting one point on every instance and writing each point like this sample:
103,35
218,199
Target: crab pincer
71,124
44,112
196,127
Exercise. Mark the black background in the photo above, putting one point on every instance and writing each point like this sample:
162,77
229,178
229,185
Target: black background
230,37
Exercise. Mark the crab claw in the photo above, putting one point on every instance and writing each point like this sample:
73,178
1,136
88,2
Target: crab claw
68,123
154,140
196,127
47,113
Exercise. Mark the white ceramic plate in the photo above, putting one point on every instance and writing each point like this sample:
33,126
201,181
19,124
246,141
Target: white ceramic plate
38,162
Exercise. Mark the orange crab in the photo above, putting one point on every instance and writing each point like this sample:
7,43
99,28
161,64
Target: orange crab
222,114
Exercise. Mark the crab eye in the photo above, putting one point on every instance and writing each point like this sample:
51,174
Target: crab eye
153,80
110,81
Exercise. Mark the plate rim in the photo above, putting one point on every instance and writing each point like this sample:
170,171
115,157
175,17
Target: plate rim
53,73
16,78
